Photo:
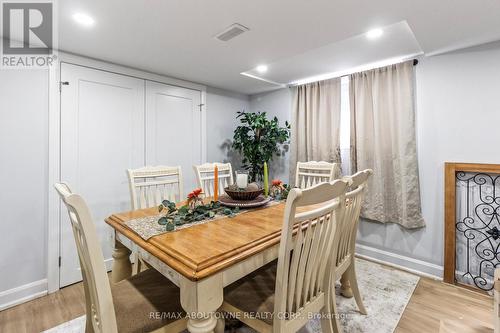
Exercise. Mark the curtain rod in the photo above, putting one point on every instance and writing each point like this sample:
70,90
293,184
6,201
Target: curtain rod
415,62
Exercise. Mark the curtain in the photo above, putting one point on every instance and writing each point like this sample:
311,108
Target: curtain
315,123
383,139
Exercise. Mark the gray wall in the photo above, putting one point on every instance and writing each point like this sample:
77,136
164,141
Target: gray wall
23,175
222,106
458,112
276,103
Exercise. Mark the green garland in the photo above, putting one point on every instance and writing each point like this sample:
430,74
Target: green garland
185,214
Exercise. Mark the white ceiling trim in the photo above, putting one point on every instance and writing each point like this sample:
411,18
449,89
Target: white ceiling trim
357,69
277,84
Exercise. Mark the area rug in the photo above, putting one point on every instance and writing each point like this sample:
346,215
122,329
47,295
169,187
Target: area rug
385,292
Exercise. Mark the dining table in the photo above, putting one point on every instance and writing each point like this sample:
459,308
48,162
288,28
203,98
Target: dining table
204,258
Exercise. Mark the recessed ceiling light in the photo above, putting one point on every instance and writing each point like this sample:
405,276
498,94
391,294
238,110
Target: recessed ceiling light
83,19
374,33
261,68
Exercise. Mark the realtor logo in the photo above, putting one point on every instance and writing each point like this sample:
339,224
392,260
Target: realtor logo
28,34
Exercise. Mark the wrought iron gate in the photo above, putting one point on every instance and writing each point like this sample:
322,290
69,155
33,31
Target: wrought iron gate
477,228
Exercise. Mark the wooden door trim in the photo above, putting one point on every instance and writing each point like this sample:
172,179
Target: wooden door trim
450,212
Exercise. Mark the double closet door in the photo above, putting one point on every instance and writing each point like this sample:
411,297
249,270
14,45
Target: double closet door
112,122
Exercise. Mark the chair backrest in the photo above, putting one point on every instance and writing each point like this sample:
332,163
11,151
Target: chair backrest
311,173
348,228
205,176
95,279
150,185
304,268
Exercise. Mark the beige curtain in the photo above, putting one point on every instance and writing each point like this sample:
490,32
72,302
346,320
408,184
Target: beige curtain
315,123
383,139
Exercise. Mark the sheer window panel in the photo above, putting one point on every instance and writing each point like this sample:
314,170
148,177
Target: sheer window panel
345,127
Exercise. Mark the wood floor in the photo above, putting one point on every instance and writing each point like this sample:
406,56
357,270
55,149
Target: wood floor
439,307
434,307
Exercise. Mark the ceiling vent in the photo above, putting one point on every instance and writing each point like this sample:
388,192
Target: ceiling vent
231,32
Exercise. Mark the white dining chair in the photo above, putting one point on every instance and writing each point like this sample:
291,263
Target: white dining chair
127,305
205,176
298,285
345,242
149,186
311,173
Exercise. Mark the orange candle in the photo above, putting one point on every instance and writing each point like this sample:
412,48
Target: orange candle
216,183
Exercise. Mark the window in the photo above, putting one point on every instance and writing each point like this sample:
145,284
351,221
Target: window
345,127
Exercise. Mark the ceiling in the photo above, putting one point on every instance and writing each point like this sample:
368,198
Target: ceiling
397,41
296,38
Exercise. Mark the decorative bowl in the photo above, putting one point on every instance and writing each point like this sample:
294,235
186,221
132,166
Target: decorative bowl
243,195
226,200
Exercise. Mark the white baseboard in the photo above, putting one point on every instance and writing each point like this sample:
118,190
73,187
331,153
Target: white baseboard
30,291
21,294
415,266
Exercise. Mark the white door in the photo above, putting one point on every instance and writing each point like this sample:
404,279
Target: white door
102,134
173,129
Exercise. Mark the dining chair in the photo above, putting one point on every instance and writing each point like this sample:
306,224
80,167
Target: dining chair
281,296
128,305
149,186
205,176
311,173
345,242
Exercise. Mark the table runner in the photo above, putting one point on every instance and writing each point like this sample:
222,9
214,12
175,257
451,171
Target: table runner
147,227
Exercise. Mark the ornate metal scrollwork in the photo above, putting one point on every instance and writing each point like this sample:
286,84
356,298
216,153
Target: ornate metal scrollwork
478,228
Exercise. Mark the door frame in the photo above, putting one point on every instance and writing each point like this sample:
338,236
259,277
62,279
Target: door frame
54,167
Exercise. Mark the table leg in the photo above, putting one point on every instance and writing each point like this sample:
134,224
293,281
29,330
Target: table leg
122,267
345,286
200,300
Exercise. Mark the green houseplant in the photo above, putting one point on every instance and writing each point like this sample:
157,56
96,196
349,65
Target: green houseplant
258,138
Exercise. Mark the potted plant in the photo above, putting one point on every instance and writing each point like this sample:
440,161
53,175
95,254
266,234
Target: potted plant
258,138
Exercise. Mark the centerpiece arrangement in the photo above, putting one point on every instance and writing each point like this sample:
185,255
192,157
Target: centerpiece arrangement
257,138
249,192
243,194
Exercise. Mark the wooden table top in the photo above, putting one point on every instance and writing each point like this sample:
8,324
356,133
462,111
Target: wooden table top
205,249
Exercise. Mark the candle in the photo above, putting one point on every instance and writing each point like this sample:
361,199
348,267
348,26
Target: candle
266,180
242,180
216,183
